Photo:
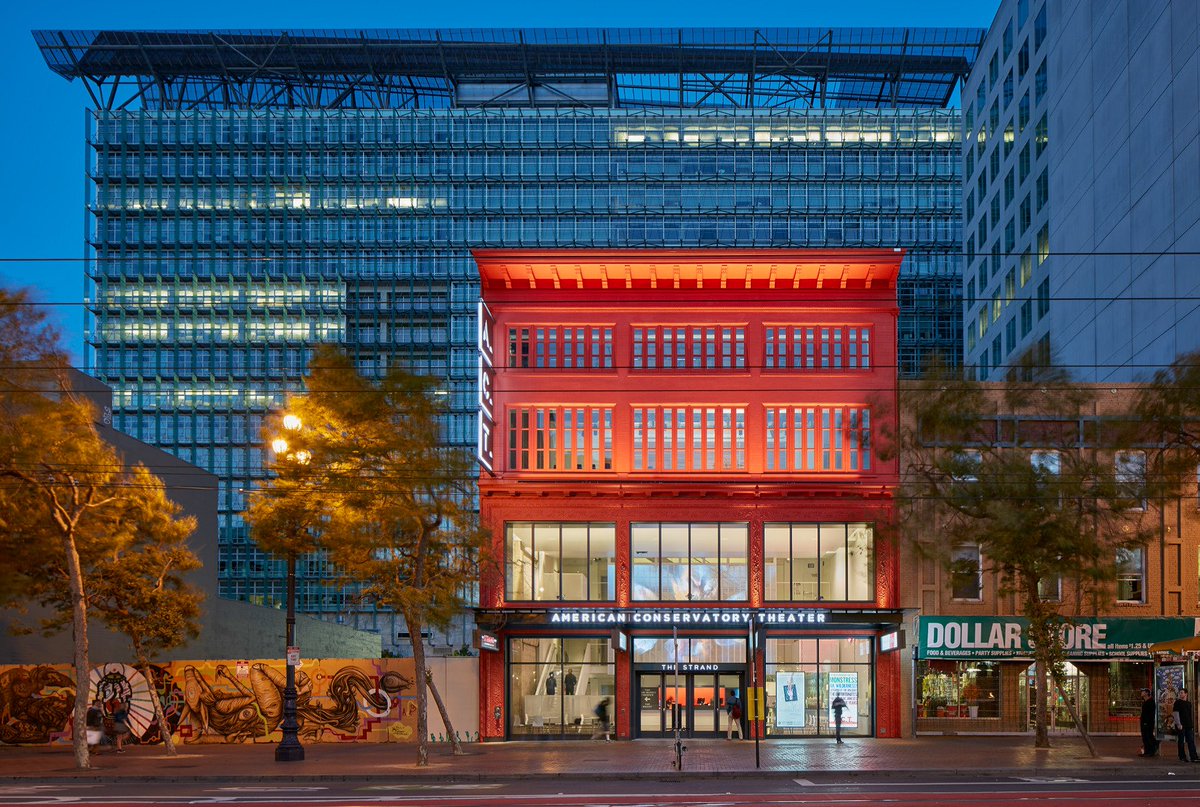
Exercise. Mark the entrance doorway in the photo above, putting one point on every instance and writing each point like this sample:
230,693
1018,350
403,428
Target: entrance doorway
1075,689
698,702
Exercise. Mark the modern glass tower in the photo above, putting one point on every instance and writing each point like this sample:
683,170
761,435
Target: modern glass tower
1081,198
254,193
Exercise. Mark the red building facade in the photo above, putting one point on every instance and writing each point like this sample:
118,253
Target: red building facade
679,472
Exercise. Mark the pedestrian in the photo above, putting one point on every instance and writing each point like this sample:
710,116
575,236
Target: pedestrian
734,708
1183,715
569,682
551,685
602,726
839,706
118,713
1149,725
94,723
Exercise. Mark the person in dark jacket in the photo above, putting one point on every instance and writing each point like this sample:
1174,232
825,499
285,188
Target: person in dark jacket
1149,725
603,729
839,706
1183,715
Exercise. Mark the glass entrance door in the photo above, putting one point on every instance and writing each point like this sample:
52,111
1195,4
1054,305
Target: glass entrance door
1075,689
698,703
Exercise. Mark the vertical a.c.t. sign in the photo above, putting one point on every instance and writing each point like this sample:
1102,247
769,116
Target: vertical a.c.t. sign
487,355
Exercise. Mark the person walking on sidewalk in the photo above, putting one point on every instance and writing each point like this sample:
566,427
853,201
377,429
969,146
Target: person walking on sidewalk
1149,725
118,713
734,710
1183,714
602,725
838,706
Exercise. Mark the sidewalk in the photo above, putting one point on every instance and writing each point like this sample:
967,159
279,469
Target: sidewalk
651,759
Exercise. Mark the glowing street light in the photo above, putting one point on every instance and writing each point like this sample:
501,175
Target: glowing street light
289,748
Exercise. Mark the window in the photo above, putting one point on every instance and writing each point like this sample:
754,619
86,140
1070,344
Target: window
552,561
817,347
965,464
686,438
689,562
576,347
1043,299
1026,318
818,438
1039,82
819,562
1043,244
707,347
1039,28
1049,589
958,689
966,572
1131,572
1130,473
1043,189
562,438
1047,462
554,683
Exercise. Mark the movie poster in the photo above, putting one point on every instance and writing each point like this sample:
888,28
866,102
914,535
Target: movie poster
846,685
789,700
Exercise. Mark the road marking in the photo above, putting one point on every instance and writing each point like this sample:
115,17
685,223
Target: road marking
805,783
271,788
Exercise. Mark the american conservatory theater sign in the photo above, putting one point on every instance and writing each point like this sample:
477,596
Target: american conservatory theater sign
1084,638
708,617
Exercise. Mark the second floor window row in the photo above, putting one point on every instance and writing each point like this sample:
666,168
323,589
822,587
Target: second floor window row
805,348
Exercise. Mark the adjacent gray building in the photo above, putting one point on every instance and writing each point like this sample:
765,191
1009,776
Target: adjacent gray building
1081,194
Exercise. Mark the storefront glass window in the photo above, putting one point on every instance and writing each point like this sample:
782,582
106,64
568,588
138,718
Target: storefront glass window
819,562
555,684
958,689
549,561
1125,682
804,675
689,562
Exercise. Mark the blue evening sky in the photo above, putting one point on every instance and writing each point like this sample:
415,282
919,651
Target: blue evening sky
42,117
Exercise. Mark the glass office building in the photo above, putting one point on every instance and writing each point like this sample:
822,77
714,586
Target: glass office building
254,193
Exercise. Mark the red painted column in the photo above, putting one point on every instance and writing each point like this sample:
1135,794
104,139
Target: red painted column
888,695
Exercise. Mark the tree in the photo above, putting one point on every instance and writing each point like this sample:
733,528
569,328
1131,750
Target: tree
1168,415
69,502
396,505
1010,470
138,589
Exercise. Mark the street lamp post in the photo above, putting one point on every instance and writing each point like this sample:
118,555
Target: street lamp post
289,748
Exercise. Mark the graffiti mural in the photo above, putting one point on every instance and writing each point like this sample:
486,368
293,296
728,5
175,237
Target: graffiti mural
369,700
35,703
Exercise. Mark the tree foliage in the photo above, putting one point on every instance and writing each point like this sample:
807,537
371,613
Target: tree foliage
1168,414
368,479
1024,472
68,502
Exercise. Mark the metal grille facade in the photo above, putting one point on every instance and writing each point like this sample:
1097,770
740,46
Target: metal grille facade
223,244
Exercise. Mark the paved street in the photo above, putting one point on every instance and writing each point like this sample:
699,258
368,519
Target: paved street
653,759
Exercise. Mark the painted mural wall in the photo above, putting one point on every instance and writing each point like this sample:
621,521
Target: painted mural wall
338,700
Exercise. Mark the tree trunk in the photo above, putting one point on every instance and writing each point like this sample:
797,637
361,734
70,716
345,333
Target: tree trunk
1041,731
164,730
83,683
437,699
418,645
1083,732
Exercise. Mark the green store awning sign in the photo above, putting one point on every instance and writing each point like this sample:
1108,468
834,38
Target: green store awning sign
1002,637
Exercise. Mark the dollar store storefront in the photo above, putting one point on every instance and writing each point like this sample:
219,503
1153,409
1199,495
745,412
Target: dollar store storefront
975,674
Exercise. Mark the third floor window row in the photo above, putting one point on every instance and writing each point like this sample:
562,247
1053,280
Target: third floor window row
806,348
